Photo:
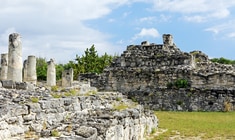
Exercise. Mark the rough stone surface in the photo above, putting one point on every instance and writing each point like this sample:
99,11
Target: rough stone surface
89,117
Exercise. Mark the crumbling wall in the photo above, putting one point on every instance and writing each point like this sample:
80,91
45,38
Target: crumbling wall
147,67
37,115
155,65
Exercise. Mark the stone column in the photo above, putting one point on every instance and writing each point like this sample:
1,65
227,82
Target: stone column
51,73
14,58
31,69
25,68
67,78
168,39
4,62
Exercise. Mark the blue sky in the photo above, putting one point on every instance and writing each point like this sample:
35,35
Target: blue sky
60,29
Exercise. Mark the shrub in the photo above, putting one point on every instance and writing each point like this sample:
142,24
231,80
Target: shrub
179,83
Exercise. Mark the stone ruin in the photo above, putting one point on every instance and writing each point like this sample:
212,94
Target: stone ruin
80,113
12,67
14,71
67,78
147,69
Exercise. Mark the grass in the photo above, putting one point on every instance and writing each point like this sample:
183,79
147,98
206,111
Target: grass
120,106
206,125
34,99
55,133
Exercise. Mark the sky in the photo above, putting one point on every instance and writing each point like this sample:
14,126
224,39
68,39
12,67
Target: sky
62,29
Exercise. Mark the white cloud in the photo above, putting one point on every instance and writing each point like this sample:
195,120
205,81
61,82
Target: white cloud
231,35
148,32
56,29
145,33
147,19
196,11
225,29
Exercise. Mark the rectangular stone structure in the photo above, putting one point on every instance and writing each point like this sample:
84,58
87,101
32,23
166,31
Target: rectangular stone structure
67,78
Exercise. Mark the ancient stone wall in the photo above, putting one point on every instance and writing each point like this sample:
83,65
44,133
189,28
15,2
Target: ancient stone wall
146,67
37,115
191,99
156,65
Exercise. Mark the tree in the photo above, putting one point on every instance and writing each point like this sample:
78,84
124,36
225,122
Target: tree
222,60
59,70
41,69
90,62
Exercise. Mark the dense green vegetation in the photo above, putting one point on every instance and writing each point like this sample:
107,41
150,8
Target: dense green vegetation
41,68
89,62
179,83
204,125
222,60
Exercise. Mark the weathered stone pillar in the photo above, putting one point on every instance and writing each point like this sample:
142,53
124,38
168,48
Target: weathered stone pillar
25,68
4,65
51,73
31,69
14,58
67,78
168,39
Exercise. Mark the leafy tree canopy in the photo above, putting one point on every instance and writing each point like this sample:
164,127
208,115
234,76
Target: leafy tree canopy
222,60
89,62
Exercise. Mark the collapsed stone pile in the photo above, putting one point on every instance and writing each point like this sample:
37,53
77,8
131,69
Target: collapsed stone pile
26,114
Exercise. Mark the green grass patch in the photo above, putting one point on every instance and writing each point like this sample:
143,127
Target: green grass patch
56,95
207,125
120,106
55,133
34,99
93,92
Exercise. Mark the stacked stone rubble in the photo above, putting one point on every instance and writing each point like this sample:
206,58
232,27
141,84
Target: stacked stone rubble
76,117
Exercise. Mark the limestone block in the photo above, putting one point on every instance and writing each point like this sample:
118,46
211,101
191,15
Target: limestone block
8,84
86,133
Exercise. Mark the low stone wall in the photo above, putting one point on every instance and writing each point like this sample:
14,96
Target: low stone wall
94,117
190,99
